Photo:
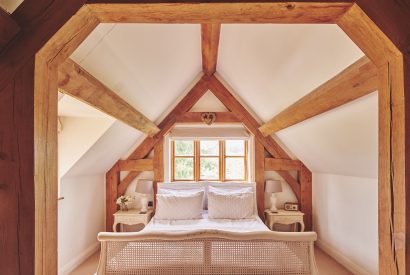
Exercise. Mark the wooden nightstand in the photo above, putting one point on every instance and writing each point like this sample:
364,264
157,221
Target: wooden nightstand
284,217
131,217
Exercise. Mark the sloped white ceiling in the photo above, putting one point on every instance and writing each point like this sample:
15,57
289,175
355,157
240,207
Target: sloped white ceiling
269,66
148,65
109,148
71,107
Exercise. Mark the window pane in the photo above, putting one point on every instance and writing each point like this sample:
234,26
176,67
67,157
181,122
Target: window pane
184,147
209,168
235,147
235,169
209,147
184,169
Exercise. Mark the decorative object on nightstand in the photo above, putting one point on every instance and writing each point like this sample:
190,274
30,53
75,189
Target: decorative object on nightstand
273,187
284,217
144,187
131,217
123,202
291,206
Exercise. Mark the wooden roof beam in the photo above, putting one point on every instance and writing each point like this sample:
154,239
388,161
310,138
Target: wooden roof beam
78,83
210,43
355,81
8,28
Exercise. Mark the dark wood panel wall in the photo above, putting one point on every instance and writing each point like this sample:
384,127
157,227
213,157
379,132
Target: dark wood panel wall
17,173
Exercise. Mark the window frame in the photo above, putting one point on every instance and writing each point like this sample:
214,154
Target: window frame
174,157
222,161
244,157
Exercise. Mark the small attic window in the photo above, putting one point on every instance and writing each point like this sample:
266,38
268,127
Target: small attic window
209,159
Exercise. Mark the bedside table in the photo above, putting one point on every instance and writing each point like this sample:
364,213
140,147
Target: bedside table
131,217
284,217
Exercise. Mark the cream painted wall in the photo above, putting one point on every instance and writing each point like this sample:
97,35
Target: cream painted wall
81,215
345,219
77,136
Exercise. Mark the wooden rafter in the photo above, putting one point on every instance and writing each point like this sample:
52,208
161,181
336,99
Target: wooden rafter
219,12
77,82
357,80
223,94
210,43
8,28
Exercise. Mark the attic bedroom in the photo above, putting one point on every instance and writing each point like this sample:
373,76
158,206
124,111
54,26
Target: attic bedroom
204,138
268,67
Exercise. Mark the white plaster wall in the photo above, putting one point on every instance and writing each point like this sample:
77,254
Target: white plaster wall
77,136
345,219
81,215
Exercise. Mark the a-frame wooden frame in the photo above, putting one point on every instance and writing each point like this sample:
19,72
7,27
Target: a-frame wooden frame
32,192
116,188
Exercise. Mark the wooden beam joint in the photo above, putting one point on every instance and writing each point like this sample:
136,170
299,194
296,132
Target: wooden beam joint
272,164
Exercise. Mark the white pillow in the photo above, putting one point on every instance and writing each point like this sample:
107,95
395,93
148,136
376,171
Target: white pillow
183,192
179,206
228,190
230,206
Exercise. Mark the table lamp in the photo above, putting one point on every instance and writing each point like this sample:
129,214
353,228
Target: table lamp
144,187
273,187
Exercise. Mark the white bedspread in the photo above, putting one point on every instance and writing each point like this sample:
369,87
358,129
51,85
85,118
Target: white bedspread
242,225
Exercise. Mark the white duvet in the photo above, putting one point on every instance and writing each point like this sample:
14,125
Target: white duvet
241,225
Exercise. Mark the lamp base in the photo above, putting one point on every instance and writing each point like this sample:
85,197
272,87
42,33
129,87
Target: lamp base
273,201
144,204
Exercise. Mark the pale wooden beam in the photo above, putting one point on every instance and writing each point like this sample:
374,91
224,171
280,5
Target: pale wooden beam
136,165
288,12
260,178
272,164
8,28
78,83
305,178
355,81
210,44
112,179
158,167
195,117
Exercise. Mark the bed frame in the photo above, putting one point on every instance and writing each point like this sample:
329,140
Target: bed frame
207,252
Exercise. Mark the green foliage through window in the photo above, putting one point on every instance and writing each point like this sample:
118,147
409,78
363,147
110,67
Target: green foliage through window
219,160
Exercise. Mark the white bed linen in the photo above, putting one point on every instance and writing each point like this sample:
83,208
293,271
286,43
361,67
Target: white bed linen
241,225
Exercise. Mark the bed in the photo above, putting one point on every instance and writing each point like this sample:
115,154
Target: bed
207,245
